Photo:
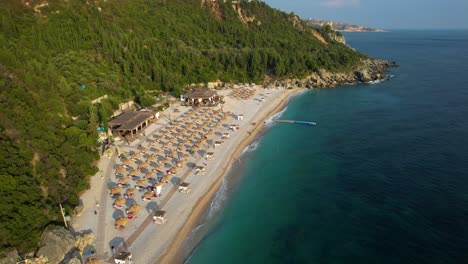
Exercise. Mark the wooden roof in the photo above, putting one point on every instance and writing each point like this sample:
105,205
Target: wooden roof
130,120
200,94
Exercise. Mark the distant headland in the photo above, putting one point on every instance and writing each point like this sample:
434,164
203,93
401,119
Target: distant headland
340,26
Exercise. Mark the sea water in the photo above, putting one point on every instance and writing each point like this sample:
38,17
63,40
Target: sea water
382,178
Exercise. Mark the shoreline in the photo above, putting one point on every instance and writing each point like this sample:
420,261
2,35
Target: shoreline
172,254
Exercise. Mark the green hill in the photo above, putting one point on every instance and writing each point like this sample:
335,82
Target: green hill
58,55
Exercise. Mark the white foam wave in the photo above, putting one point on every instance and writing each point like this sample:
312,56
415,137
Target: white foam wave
375,82
219,199
274,117
251,147
197,228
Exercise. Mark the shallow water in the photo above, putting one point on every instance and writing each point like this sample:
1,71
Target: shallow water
382,178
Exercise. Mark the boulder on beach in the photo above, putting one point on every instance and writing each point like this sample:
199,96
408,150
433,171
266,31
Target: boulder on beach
55,243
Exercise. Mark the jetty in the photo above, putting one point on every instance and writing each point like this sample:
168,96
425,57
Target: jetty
296,122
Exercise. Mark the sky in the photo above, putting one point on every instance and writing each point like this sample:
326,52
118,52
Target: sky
385,14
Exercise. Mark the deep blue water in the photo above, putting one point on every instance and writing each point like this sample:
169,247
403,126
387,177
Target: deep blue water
382,178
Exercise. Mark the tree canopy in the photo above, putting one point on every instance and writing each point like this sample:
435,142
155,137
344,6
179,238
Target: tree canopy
57,58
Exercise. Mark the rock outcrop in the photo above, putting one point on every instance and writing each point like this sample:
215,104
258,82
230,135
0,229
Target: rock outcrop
370,70
56,242
10,257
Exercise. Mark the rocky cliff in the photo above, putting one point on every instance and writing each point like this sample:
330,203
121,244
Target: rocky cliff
340,26
57,246
370,70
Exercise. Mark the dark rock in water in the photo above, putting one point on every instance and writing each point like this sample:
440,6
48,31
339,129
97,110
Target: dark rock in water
56,242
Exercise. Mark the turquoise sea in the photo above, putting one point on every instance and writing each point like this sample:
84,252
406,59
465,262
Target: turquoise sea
382,178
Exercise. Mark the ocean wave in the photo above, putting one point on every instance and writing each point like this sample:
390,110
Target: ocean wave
251,147
270,121
298,93
197,228
375,82
219,199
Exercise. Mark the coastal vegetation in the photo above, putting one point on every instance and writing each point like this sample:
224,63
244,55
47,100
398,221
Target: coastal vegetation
57,56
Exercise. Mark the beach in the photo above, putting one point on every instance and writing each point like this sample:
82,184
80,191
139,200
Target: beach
149,242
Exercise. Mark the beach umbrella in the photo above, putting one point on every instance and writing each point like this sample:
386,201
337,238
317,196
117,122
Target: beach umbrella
158,167
141,183
133,173
120,201
123,180
135,155
115,190
120,170
130,191
165,178
144,149
133,210
148,194
151,158
121,222
179,164
127,162
150,175
166,160
158,184
92,261
186,155
143,165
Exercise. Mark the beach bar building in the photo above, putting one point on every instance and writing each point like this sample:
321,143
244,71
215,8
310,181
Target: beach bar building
131,123
201,97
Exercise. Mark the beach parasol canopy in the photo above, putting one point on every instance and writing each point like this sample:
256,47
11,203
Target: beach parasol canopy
141,182
150,175
135,155
121,222
120,201
130,191
144,149
123,180
92,261
148,194
165,178
134,209
120,170
133,173
127,162
115,190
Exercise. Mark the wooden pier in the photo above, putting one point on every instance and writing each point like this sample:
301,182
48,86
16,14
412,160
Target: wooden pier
296,122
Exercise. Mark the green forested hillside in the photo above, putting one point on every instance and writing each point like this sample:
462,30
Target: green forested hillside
120,48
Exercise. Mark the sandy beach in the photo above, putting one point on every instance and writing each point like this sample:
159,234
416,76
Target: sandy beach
155,154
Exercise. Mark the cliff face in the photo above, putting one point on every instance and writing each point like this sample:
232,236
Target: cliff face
370,70
339,26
